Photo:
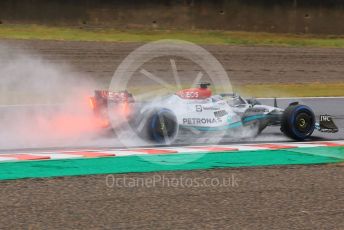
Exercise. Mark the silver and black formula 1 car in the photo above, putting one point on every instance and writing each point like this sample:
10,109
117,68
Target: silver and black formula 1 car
196,111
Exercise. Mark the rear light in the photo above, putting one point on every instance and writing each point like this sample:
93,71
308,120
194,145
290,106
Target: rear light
92,102
121,96
103,123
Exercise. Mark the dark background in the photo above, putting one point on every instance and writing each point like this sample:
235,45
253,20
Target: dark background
286,16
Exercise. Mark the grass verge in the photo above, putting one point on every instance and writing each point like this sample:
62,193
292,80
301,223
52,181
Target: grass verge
169,162
196,36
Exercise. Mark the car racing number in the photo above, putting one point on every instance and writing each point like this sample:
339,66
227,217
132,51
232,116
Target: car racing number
190,95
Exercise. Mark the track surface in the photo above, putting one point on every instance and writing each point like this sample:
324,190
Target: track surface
19,143
297,197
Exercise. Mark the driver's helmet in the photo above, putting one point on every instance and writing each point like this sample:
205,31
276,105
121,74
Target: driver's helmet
216,98
235,100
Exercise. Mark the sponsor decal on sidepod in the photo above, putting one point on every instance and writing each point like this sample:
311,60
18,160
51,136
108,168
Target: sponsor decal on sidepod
200,121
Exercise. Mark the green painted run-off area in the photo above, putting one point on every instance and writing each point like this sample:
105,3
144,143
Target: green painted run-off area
154,163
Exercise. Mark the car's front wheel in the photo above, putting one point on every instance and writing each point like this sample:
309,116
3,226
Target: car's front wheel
298,122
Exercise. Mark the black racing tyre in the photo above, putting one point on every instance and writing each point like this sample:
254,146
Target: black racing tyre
298,122
162,126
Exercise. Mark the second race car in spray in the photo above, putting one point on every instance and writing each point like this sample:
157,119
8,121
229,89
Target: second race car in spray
195,111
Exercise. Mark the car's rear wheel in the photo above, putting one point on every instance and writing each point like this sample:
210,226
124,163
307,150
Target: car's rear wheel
163,126
155,125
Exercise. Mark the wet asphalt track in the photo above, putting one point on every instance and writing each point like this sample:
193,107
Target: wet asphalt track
10,143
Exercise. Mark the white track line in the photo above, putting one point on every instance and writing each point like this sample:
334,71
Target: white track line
7,159
54,156
122,153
